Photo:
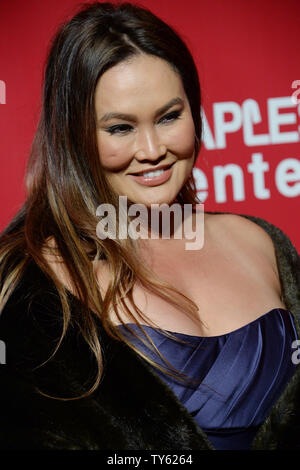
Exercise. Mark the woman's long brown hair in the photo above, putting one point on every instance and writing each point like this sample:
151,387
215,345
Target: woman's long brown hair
65,182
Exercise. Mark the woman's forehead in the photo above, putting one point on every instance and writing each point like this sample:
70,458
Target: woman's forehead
144,79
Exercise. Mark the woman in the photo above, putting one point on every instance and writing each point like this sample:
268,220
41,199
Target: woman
137,343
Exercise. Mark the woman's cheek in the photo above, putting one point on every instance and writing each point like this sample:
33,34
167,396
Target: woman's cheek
181,141
113,155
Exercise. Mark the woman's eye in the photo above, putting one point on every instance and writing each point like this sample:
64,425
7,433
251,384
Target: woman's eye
118,129
122,129
171,117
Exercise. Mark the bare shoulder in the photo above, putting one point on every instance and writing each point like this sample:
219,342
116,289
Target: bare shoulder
236,229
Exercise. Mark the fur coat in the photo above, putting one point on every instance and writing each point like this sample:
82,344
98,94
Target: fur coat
132,408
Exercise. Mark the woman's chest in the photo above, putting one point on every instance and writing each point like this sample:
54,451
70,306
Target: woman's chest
229,289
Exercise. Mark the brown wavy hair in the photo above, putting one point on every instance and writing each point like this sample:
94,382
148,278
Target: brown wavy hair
65,182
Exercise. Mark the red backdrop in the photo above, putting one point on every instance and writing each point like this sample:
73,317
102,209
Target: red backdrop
247,53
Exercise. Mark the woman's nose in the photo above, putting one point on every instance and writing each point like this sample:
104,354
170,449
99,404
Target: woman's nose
148,146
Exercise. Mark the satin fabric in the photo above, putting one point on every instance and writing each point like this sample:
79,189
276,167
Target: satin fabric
242,374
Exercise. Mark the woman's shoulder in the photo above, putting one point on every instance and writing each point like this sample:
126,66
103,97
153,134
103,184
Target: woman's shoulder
256,231
257,235
245,241
242,229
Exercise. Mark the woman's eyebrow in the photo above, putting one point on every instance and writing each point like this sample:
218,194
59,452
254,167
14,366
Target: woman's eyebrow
131,117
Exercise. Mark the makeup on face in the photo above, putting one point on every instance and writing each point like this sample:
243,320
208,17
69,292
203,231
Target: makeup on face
145,129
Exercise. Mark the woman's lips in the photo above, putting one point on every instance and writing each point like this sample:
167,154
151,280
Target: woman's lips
154,180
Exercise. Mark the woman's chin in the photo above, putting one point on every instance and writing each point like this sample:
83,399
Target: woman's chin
148,203
149,198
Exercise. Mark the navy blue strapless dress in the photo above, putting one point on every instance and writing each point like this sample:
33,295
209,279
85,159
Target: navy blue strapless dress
242,374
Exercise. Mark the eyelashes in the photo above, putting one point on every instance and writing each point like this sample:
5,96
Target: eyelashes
171,116
122,129
119,129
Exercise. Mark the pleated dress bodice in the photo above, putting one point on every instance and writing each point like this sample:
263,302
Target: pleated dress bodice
240,374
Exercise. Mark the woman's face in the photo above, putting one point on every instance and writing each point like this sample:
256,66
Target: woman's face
145,130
